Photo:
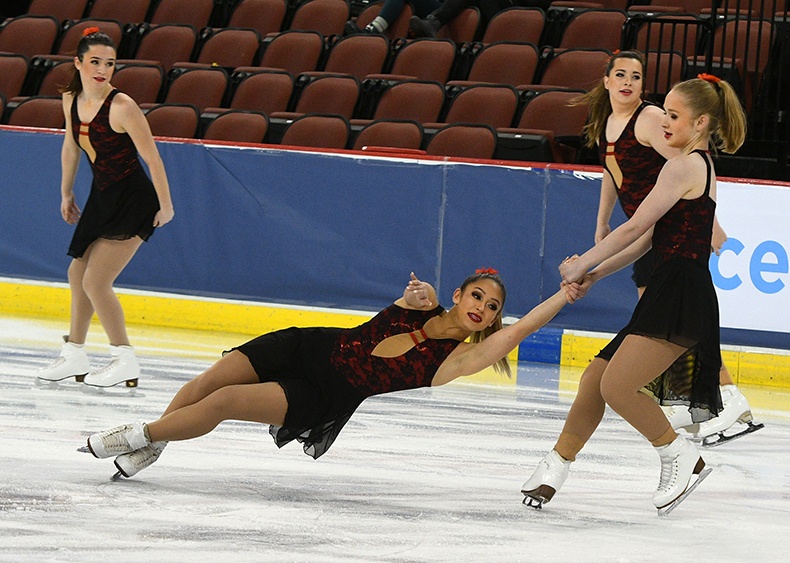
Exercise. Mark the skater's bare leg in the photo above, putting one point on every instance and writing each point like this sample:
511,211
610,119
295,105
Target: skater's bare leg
636,363
228,390
724,376
81,307
586,412
104,261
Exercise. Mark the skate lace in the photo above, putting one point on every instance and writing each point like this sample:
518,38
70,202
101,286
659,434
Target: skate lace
60,360
115,440
144,457
107,368
668,474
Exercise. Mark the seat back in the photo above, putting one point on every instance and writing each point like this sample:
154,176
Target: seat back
264,91
576,68
420,101
358,55
553,110
494,105
196,13
167,44
57,76
71,37
329,94
676,32
201,87
264,16
230,47
465,140
594,29
505,63
124,11
516,24
173,120
29,35
319,131
463,27
13,70
142,81
749,41
663,70
294,51
238,126
425,59
61,10
39,111
390,133
324,16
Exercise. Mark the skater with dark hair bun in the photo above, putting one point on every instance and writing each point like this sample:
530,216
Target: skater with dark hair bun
307,382
669,351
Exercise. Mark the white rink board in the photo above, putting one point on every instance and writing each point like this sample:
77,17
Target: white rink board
752,275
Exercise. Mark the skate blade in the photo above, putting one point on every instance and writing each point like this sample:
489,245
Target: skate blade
665,511
132,383
534,501
722,438
118,476
85,450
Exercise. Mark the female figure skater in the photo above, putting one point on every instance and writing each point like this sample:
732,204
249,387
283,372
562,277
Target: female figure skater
677,316
306,383
122,211
632,161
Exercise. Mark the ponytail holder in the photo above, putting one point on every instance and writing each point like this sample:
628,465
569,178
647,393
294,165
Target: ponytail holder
489,271
709,78
90,31
614,54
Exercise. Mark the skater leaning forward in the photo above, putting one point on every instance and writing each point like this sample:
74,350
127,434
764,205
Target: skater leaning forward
668,353
123,209
307,382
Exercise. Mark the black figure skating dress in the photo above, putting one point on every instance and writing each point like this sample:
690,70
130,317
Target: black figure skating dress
327,372
680,305
640,166
122,203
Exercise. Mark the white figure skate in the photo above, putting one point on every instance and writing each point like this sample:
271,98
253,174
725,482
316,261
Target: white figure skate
117,441
682,469
122,369
131,463
547,479
734,421
72,362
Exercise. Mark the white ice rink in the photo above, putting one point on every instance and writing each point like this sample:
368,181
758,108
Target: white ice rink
425,475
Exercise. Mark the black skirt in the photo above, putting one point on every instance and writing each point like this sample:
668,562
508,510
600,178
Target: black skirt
124,210
320,402
680,305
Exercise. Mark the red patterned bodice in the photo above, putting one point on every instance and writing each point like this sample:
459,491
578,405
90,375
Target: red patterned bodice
686,229
116,155
352,355
639,164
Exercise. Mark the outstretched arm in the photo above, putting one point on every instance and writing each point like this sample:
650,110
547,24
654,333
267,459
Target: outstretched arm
476,357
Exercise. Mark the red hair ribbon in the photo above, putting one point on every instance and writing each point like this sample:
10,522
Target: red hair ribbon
90,31
709,78
489,271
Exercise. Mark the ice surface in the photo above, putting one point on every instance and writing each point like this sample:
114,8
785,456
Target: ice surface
424,475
